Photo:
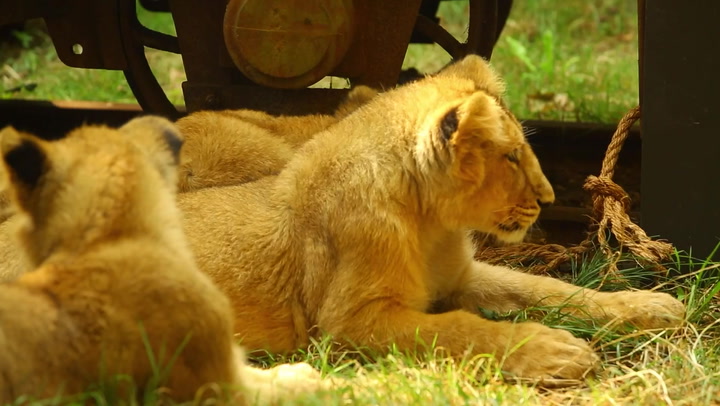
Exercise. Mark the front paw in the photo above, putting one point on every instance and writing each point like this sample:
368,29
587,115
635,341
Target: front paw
540,352
296,377
643,309
280,383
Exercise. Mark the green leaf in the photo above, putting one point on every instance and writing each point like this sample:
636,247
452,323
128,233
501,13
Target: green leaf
520,52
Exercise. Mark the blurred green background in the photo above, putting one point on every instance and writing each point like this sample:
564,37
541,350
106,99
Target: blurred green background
571,61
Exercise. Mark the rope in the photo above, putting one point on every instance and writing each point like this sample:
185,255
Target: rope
611,205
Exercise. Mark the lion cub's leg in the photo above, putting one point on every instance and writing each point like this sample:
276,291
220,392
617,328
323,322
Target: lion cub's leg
528,350
503,289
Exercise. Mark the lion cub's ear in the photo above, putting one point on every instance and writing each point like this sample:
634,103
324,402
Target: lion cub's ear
470,131
477,69
160,140
154,134
24,162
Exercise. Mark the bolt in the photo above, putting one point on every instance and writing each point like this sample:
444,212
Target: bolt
212,101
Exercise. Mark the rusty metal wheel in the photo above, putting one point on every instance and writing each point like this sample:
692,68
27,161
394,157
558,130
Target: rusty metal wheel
487,19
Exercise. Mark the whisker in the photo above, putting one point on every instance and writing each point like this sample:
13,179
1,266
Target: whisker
528,131
503,209
482,242
508,217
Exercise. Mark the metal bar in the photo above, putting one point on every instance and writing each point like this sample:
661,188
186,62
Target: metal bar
156,40
431,29
138,74
483,28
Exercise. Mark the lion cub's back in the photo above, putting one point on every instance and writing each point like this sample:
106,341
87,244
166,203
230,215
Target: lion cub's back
227,201
221,149
224,224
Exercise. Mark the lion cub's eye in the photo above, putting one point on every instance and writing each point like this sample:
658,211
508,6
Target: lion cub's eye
513,157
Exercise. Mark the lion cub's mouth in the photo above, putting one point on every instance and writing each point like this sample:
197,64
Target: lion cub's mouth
518,218
510,226
514,227
501,237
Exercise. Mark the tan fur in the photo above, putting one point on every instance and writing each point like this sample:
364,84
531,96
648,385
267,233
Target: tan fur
364,235
13,263
98,225
231,147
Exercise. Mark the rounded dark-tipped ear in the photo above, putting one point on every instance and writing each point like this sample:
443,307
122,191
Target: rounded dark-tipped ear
153,132
478,70
449,124
476,125
23,156
24,161
161,141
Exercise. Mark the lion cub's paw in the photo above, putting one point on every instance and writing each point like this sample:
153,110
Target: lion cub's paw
285,381
299,375
642,309
541,352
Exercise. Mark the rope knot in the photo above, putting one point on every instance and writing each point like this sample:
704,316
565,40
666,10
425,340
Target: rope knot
602,188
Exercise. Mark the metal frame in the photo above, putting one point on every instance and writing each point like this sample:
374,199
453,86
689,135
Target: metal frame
111,37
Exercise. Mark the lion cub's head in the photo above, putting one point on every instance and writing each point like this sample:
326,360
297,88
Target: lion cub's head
473,151
95,184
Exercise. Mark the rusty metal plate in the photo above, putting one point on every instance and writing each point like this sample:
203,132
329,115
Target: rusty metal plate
288,43
86,33
22,10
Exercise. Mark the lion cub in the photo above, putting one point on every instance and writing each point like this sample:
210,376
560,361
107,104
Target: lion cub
365,235
114,290
231,147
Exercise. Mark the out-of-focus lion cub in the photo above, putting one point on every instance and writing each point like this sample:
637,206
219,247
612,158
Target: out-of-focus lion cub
231,147
114,288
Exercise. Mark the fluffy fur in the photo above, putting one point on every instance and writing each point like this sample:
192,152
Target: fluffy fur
113,284
231,147
364,235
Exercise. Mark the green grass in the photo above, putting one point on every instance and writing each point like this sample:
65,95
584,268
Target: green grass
33,71
574,62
